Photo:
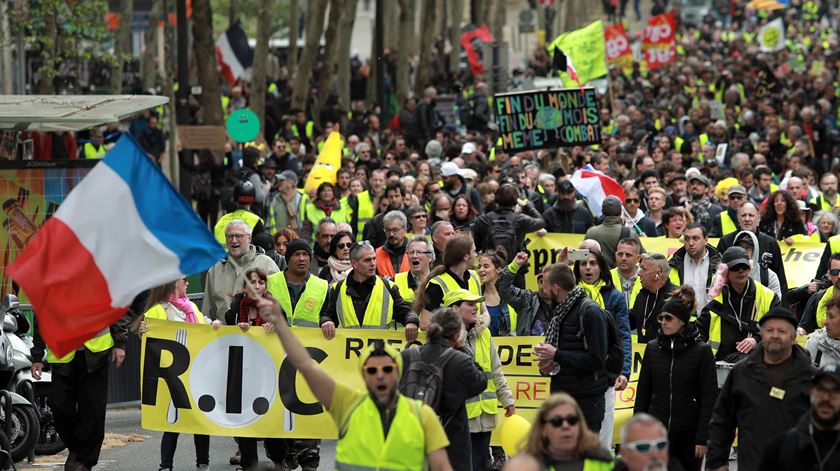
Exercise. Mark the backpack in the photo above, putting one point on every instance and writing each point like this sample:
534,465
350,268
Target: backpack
615,347
424,381
503,233
202,186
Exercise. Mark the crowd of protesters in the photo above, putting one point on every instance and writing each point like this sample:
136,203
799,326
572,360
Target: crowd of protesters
424,228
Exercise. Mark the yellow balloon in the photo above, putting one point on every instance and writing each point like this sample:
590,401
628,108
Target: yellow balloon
514,434
327,165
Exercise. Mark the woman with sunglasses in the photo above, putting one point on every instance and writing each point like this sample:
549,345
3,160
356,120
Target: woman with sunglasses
678,380
417,219
560,439
338,265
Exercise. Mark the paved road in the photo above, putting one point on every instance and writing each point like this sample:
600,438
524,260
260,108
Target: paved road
137,449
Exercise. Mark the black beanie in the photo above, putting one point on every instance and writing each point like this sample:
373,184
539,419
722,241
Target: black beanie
678,309
295,246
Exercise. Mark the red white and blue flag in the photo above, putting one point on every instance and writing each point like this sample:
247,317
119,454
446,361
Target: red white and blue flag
122,230
233,53
595,187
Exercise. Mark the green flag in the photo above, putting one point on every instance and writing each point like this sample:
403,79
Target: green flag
585,48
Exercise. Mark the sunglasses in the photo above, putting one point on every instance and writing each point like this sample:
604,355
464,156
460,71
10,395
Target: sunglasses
647,446
419,216
834,271
344,245
373,370
665,317
738,268
558,421
632,200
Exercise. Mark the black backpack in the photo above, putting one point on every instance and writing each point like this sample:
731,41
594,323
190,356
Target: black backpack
202,186
503,233
615,345
424,381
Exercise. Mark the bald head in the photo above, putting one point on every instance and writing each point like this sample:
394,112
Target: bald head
748,217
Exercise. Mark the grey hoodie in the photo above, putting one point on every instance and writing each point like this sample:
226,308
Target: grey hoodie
819,341
755,272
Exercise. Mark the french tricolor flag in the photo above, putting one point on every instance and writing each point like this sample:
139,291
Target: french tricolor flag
122,230
233,53
595,187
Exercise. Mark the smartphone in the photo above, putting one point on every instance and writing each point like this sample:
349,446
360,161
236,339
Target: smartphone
579,255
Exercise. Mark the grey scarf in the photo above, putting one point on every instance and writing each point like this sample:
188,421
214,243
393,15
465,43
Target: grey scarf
552,337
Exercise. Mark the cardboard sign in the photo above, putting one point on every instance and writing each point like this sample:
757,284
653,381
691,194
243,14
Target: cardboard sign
202,137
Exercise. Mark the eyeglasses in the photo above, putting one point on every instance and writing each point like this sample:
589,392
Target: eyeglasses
419,216
393,230
647,446
558,421
738,268
665,317
834,271
373,370
235,236
632,200
344,245
418,252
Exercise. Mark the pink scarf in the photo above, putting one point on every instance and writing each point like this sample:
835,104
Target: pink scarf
184,305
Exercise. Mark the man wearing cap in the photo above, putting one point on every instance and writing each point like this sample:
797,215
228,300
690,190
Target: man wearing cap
727,221
378,427
763,396
303,300
611,229
366,300
678,186
748,219
284,159
729,322
567,215
287,208
481,409
702,208
454,184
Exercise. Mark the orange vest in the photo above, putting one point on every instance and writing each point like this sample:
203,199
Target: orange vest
384,266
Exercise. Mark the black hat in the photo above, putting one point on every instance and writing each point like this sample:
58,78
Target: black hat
611,206
565,187
828,370
678,308
735,256
295,246
780,313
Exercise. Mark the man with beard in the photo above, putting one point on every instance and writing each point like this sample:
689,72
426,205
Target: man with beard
762,184
567,215
391,257
375,229
326,230
763,396
454,184
380,428
813,443
727,222
677,184
828,200
702,208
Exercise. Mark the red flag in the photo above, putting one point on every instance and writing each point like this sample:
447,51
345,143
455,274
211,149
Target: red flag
617,45
659,40
481,33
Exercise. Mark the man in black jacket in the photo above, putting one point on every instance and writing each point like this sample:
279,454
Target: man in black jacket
575,349
504,226
812,444
567,216
764,395
426,117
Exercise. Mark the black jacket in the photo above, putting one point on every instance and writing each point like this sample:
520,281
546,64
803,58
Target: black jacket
462,379
646,309
360,294
426,119
809,314
94,361
766,244
717,224
582,358
678,259
678,382
375,230
788,229
745,403
794,449
522,223
575,221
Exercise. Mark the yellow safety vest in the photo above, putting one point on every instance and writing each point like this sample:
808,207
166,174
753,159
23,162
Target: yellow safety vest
447,283
158,312
366,212
592,465
727,225
823,204
314,214
593,292
307,311
514,319
103,341
637,288
379,302
401,279
362,444
834,244
93,152
248,217
763,300
309,129
487,400
822,310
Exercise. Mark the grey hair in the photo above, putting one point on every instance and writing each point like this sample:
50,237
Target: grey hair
590,244
546,177
436,227
395,215
362,146
327,220
430,249
239,222
658,259
641,419
357,249
831,216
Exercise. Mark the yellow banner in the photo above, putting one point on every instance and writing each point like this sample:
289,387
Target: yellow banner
800,259
233,383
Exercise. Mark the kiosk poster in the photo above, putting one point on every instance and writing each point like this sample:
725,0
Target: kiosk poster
547,118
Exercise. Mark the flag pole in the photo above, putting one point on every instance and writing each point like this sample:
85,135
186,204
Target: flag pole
627,216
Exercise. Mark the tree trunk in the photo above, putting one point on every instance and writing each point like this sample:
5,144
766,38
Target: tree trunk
122,45
325,79
392,35
404,59
345,34
148,65
372,86
457,16
205,58
258,76
49,50
314,27
427,32
6,64
233,12
294,31
497,22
